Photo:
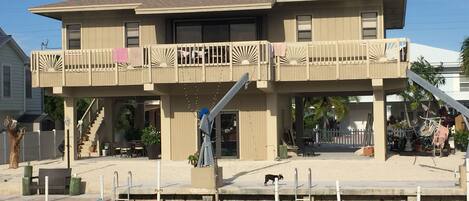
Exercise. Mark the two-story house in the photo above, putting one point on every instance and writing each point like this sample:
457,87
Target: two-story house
188,53
17,97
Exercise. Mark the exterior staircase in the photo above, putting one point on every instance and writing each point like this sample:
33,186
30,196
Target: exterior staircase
88,128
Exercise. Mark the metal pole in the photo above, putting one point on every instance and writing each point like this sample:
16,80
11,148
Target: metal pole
101,187
419,193
55,143
46,193
68,149
158,180
39,143
277,196
129,184
115,184
337,188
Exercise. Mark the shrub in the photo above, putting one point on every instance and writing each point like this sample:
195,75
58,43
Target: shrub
151,136
460,140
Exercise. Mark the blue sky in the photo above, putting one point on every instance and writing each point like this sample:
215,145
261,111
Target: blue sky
439,23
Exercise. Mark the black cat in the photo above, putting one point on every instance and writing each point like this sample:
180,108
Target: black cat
272,177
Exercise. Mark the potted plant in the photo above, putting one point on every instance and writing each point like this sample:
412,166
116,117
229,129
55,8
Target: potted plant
151,138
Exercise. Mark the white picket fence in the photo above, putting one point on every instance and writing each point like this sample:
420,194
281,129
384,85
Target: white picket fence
39,145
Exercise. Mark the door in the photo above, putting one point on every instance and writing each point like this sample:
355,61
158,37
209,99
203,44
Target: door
225,135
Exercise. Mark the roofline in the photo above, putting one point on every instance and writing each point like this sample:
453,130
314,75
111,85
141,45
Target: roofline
15,45
40,10
193,9
6,41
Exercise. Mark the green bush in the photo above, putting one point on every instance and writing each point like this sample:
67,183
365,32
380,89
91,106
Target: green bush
460,139
151,136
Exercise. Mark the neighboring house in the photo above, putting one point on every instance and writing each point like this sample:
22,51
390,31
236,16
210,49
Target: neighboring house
456,86
187,53
17,98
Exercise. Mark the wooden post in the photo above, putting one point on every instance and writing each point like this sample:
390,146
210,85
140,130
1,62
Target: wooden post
231,61
90,78
64,82
308,76
337,59
398,58
150,71
259,60
176,69
368,59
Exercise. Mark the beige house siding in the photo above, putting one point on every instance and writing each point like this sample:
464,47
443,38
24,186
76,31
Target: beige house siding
337,20
9,57
108,31
252,125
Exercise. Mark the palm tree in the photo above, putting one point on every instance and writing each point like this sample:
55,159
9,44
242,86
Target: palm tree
465,56
415,94
327,107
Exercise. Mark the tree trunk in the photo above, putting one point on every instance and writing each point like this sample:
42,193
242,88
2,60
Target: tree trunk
14,152
406,111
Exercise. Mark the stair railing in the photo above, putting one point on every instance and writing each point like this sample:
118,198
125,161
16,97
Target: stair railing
89,116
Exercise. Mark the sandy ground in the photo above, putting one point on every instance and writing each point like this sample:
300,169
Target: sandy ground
396,171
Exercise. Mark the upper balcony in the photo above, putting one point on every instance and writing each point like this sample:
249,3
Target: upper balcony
222,62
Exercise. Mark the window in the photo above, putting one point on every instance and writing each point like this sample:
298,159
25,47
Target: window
132,34
369,25
28,84
74,37
304,28
243,32
6,81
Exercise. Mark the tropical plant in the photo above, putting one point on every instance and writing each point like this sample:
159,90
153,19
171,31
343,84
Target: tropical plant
54,106
465,56
326,108
151,136
461,140
414,95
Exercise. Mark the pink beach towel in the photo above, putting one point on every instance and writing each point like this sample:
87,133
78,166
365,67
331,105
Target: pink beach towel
120,55
440,136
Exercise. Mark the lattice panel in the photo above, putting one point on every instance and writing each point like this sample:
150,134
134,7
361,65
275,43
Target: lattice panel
163,57
245,55
50,62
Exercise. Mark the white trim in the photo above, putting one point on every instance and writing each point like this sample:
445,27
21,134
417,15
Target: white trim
296,25
66,37
379,31
85,8
139,32
195,9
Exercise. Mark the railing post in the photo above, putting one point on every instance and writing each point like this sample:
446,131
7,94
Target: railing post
37,67
46,193
308,75
337,188
150,71
368,59
89,68
55,142
277,196
4,147
176,69
116,69
231,61
337,59
258,60
398,49
277,62
64,82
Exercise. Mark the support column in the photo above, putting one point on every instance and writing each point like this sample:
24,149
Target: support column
70,122
139,113
272,123
299,121
108,134
379,119
165,104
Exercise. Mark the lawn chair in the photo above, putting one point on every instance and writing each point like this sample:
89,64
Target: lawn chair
59,181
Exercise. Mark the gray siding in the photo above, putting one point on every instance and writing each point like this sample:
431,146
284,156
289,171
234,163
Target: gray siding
34,104
8,56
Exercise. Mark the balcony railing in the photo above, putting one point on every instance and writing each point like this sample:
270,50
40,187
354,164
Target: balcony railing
221,62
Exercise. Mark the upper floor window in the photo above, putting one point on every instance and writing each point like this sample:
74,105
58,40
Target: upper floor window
28,83
369,25
6,81
73,37
304,28
132,34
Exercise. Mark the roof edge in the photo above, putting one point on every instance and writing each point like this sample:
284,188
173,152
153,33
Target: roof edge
39,10
193,9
